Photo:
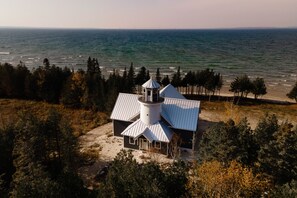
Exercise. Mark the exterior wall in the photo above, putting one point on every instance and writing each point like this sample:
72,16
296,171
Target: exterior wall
128,145
150,113
119,126
186,136
163,149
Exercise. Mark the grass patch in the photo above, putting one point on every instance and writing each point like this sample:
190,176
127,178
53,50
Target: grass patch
286,111
81,120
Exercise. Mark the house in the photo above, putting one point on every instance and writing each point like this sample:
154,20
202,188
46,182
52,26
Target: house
153,119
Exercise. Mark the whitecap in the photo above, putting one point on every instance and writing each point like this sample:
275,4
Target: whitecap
287,85
4,53
171,67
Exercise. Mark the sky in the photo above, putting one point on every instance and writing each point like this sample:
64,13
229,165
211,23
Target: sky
148,14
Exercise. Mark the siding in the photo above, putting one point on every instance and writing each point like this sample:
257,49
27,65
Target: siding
119,126
127,145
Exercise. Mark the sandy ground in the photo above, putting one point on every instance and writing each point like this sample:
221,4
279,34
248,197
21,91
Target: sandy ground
104,147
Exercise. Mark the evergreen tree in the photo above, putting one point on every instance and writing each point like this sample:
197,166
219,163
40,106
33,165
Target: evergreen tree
176,178
6,160
165,81
131,79
158,76
293,93
225,142
176,79
94,94
7,86
277,157
141,77
241,85
259,87
46,62
30,178
288,190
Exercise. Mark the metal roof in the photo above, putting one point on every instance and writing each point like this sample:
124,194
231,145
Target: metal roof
126,107
152,84
181,114
157,132
170,92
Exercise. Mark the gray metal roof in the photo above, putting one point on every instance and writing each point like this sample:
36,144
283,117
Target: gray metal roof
179,113
126,107
156,132
152,84
170,92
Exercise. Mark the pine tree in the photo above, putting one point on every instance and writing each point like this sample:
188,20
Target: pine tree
165,81
158,76
176,79
259,87
293,93
131,79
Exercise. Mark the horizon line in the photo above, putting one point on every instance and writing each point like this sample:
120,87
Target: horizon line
87,28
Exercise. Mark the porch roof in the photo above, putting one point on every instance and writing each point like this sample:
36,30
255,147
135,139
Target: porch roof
156,132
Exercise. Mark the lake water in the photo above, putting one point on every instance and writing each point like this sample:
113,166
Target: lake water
267,53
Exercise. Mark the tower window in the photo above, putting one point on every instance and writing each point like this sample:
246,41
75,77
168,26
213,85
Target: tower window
149,93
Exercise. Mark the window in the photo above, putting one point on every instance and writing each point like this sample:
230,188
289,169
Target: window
158,145
149,93
131,140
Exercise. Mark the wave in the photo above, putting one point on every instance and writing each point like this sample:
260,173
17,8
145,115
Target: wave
4,53
287,85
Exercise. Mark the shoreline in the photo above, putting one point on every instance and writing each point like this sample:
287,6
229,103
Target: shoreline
270,97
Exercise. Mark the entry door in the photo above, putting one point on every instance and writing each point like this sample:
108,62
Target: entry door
144,144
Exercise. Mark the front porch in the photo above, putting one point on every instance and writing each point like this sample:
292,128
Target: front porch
143,143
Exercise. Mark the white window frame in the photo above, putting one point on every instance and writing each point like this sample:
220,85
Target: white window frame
130,140
156,145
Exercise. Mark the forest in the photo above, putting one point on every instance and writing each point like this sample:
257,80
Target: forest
90,90
40,156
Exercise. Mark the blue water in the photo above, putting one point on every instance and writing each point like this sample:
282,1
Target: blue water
268,53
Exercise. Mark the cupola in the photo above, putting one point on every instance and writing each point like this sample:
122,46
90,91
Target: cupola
150,103
150,91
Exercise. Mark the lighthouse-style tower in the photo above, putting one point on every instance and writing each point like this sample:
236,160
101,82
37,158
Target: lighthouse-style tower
150,103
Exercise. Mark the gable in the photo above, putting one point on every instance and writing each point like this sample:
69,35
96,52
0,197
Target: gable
126,107
181,114
170,92
155,132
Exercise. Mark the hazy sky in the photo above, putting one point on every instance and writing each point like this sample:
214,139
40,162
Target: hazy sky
148,13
